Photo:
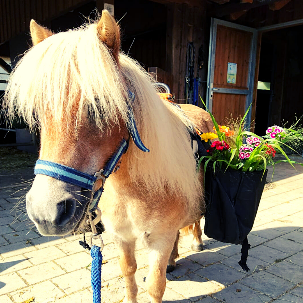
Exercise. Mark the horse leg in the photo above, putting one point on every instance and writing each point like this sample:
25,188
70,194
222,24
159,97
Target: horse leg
197,235
173,256
128,266
160,250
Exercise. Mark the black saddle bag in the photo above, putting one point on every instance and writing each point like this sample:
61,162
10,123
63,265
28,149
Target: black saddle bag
232,199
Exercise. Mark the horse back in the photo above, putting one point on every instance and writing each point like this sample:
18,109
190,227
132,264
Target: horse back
199,117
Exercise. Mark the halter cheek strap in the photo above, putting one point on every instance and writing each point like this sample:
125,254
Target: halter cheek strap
131,125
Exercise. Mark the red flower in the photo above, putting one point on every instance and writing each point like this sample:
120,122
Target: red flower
219,145
270,150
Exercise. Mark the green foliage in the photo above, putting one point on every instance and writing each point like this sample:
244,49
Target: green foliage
248,152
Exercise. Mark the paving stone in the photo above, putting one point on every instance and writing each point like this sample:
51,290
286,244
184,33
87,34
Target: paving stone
296,236
10,250
220,273
206,257
285,245
73,281
5,205
5,213
5,299
184,267
26,225
3,241
288,298
110,251
20,236
273,229
12,264
83,296
207,300
238,293
41,272
7,220
296,259
172,296
230,250
254,240
267,254
5,229
254,264
75,261
44,242
287,271
193,286
70,247
169,296
113,291
111,270
267,284
215,246
44,255
41,292
10,282
298,291
109,238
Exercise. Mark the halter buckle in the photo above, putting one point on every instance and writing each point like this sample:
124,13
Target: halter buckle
99,175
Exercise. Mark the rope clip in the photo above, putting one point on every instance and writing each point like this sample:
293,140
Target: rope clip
93,222
99,238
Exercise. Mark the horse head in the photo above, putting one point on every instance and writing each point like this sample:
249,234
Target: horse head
75,132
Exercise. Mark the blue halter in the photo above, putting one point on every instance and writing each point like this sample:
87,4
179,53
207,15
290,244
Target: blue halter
83,180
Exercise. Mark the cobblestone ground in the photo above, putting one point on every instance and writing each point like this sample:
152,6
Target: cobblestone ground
47,269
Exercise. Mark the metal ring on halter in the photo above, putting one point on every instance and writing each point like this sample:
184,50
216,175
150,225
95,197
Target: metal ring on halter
97,237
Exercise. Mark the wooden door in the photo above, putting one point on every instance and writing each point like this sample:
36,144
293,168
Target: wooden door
231,69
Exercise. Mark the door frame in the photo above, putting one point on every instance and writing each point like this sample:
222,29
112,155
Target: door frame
254,59
211,66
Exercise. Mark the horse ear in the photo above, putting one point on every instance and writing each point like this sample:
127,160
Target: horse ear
38,32
109,33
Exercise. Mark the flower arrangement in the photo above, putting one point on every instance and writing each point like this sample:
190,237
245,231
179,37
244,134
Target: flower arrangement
245,151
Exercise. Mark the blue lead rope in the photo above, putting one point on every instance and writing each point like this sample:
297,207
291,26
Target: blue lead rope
96,273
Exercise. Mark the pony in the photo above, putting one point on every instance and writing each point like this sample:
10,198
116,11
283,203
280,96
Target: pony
75,87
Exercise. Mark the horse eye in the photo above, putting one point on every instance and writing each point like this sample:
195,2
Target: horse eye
95,111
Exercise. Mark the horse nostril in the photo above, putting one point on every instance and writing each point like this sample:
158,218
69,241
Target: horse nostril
65,211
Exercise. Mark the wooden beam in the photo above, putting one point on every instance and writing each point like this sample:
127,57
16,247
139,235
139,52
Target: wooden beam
278,5
237,15
229,8
220,1
192,3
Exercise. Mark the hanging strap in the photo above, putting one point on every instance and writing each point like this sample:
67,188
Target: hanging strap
244,254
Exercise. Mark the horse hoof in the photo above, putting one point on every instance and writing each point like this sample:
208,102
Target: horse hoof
197,247
170,268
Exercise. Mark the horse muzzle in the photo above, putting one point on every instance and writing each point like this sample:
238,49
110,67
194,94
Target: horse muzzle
54,206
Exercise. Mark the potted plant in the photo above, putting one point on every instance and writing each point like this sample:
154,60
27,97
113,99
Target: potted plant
235,173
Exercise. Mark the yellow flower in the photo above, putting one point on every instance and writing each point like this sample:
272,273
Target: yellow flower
208,136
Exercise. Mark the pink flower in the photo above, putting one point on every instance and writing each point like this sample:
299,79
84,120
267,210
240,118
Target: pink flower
274,130
253,140
273,135
243,155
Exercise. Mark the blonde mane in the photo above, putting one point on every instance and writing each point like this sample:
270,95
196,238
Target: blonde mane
71,73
